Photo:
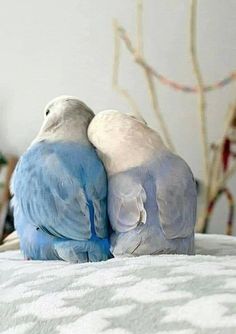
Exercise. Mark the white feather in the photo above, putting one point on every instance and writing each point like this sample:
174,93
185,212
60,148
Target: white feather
116,135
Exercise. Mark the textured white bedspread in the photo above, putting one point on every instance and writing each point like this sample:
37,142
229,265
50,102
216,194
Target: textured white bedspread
166,294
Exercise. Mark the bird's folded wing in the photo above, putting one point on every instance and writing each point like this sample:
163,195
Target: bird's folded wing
176,198
50,194
126,200
96,189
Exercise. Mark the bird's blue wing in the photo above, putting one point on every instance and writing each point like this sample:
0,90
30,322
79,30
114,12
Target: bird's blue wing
50,187
38,245
176,197
96,190
34,243
94,183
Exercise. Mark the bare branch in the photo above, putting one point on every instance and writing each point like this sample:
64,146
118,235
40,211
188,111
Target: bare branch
155,106
201,97
115,77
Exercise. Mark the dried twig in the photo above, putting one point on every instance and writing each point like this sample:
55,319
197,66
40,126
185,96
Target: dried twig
201,96
139,27
155,106
166,81
115,76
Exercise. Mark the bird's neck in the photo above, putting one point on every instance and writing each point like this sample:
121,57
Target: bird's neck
122,160
68,131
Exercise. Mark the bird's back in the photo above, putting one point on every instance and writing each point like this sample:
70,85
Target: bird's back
169,205
58,186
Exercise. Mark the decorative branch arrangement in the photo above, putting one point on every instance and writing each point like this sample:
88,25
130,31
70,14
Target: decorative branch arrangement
216,159
9,164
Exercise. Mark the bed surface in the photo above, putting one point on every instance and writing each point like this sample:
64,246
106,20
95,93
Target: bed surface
166,294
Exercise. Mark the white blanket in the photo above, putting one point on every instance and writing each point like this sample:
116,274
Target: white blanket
166,294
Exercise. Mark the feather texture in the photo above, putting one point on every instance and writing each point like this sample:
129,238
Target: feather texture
60,181
151,191
60,189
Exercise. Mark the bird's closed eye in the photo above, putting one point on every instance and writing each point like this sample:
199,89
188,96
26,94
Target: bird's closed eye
47,112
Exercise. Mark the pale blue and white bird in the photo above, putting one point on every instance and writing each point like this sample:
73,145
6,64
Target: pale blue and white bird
151,191
60,189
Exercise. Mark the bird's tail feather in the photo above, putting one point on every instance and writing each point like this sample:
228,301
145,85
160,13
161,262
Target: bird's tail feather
83,250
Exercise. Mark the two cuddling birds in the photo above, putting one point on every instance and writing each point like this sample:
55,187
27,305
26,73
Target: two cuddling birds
92,187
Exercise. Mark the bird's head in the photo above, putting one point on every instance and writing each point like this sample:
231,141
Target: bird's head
65,118
67,107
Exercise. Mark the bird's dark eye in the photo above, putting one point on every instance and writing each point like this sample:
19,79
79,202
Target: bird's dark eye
47,112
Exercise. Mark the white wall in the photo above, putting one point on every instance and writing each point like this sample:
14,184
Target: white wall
53,47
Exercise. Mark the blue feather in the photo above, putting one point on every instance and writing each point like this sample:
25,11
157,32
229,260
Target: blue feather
152,207
62,189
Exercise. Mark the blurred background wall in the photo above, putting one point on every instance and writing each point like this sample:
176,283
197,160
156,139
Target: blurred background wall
54,47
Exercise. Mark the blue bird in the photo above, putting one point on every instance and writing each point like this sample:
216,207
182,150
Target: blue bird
152,194
60,189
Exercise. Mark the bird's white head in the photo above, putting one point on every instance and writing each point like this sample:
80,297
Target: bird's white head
122,141
66,118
